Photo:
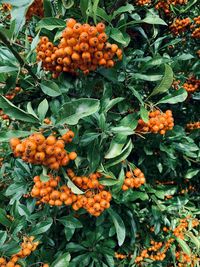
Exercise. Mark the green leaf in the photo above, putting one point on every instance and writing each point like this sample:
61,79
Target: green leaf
136,94
108,181
165,83
5,136
70,222
112,103
50,88
116,146
10,248
131,195
42,109
118,187
191,173
94,9
123,155
71,112
42,227
178,96
8,69
123,9
144,114
119,226
118,36
122,130
194,240
68,3
84,7
154,19
48,12
14,112
184,246
19,3
71,185
93,156
3,218
50,24
62,261
149,78
3,236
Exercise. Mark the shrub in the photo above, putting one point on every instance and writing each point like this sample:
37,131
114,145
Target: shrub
99,140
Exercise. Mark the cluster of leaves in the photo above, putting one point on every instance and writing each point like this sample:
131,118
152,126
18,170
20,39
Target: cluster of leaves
103,110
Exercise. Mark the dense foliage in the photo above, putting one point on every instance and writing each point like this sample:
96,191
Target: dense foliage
99,133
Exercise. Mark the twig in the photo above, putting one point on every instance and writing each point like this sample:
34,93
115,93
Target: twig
18,57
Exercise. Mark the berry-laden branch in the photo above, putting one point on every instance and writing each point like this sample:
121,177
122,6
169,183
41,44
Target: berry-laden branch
18,57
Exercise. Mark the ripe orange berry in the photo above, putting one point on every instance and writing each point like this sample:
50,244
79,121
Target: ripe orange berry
84,37
70,23
26,252
92,31
100,27
102,37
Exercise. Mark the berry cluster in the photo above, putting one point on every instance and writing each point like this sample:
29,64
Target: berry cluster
165,4
179,26
159,122
120,256
157,251
82,47
193,126
195,27
47,192
50,151
96,199
134,179
12,94
191,85
143,2
27,247
185,260
36,9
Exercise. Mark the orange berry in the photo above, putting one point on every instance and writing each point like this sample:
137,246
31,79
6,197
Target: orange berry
70,23
84,37
75,56
102,37
92,31
100,27
77,28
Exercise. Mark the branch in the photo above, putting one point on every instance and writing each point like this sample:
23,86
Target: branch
18,57
117,4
